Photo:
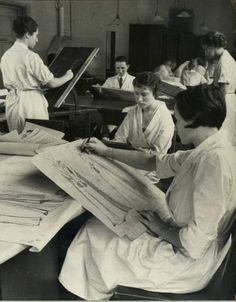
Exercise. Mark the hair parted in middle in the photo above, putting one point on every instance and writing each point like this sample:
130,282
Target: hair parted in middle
148,79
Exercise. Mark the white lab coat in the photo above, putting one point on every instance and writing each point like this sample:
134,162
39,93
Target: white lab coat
158,134
192,78
225,72
201,198
113,82
23,72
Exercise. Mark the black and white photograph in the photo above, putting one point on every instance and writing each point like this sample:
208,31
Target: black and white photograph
117,150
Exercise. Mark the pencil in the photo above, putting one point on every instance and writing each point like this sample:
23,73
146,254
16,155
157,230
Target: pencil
86,141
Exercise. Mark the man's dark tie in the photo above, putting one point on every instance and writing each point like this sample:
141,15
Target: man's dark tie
120,82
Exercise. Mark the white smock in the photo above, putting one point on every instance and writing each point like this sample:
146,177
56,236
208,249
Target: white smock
156,137
113,82
201,199
23,72
192,78
225,73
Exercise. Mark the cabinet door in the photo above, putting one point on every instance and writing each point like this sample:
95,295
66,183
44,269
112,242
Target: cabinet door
199,49
155,47
170,45
187,47
138,47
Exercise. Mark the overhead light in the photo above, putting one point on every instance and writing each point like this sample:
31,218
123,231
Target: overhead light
184,14
157,18
204,28
117,20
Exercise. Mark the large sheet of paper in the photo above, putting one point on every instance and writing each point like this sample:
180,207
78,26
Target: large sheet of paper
32,138
31,126
113,93
32,208
171,88
110,190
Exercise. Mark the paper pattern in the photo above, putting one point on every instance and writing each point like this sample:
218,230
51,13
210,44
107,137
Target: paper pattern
110,190
32,138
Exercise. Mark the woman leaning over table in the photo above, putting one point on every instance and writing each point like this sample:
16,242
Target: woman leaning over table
23,72
179,255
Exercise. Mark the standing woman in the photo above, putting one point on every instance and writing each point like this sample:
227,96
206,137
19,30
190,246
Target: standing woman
23,72
224,76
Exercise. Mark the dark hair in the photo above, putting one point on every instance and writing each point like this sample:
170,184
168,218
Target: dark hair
214,39
192,64
201,61
121,59
202,105
23,25
149,79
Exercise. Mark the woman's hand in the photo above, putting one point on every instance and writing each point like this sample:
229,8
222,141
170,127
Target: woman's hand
69,74
152,221
96,146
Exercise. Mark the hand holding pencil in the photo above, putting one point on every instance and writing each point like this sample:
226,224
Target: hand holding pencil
96,146
85,147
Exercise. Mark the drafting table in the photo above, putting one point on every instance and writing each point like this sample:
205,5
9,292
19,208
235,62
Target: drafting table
111,110
27,275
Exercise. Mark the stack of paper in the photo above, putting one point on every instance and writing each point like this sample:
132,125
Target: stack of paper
30,140
32,208
26,208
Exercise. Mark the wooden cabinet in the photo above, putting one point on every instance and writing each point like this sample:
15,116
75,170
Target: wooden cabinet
150,44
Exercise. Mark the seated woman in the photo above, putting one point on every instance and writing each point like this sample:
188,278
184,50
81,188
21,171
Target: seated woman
148,125
193,74
179,255
165,70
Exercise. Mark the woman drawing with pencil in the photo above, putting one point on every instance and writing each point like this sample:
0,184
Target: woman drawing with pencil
179,254
23,72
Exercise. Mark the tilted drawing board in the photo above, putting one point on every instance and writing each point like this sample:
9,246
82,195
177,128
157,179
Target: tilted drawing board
113,93
110,190
171,88
75,58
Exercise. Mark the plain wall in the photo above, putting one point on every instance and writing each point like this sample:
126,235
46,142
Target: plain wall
90,21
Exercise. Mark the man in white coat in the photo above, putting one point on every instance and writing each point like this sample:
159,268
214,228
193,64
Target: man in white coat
122,80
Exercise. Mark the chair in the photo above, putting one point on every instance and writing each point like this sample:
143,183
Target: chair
221,287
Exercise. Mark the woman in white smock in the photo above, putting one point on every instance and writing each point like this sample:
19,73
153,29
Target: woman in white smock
224,76
23,72
148,126
193,74
181,254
